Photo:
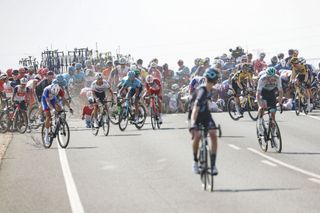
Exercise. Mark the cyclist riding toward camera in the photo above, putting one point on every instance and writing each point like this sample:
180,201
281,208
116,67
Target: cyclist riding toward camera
153,86
241,81
268,85
20,94
99,88
134,87
304,76
201,116
63,89
49,101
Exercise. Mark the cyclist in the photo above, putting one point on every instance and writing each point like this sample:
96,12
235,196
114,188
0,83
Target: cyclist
134,87
99,88
63,90
195,82
49,101
118,73
241,80
153,86
304,76
16,81
201,115
268,85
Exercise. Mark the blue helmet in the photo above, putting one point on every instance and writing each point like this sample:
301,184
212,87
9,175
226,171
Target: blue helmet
78,66
62,83
59,78
211,74
131,74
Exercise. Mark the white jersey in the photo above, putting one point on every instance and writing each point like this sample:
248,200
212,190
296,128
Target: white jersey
269,83
8,89
122,72
100,88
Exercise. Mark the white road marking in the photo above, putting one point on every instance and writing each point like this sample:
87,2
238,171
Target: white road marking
310,116
314,180
74,198
285,164
269,163
234,146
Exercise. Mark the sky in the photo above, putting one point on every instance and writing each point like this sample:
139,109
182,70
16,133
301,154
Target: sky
165,29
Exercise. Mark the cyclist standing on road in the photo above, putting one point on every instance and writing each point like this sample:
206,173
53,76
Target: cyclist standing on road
268,84
201,115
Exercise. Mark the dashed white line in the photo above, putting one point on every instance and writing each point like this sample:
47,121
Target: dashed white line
74,199
269,163
310,174
234,146
314,180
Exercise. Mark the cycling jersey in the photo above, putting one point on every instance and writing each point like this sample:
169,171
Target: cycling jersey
20,94
52,98
154,87
100,88
269,83
240,76
79,77
195,83
301,71
133,85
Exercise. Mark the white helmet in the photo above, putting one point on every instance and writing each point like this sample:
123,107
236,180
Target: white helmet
23,81
99,76
122,61
149,79
55,88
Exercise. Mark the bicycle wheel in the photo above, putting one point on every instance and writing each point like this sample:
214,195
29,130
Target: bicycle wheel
142,115
297,105
305,106
114,114
105,125
276,141
261,138
47,146
153,118
219,131
209,171
33,115
4,122
231,106
63,134
252,108
94,129
22,122
123,119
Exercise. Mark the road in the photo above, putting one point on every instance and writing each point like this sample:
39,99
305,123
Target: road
151,171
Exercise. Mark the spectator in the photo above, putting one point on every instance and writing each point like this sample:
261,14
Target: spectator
259,64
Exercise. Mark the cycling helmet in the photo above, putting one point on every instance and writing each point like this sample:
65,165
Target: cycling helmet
90,100
71,69
3,76
131,74
122,61
62,83
137,72
23,81
271,71
78,66
302,60
55,88
211,74
99,76
15,72
149,79
294,60
60,78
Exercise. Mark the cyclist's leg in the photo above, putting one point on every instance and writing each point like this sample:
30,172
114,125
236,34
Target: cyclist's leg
210,124
236,96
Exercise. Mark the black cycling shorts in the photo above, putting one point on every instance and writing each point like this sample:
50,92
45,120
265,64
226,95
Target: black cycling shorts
205,120
270,97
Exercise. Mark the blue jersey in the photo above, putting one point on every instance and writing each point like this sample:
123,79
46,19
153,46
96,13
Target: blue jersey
133,85
79,77
47,93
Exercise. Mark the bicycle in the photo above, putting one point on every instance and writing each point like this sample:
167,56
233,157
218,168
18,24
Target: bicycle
103,121
126,115
271,132
13,117
247,103
300,101
154,112
206,174
34,115
59,128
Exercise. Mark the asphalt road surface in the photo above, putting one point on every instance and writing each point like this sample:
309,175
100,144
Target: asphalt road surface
151,171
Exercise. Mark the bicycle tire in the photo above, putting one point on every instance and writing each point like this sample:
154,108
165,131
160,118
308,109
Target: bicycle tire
22,122
105,125
42,137
209,171
277,146
114,115
63,130
297,106
203,158
263,144
232,108
94,129
123,119
141,116
219,131
252,106
153,119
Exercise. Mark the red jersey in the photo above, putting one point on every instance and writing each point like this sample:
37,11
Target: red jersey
87,110
154,87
